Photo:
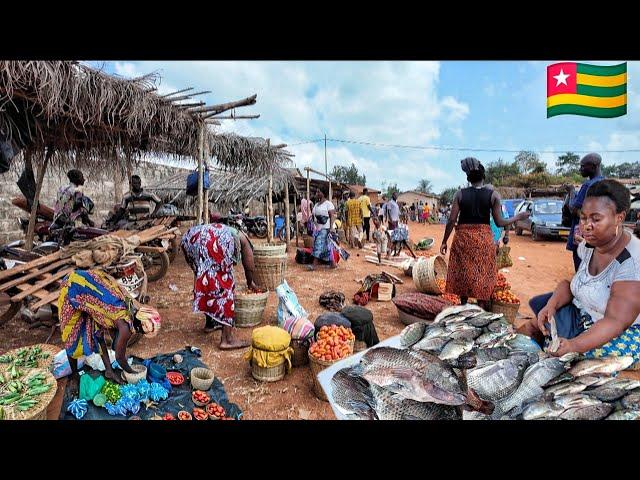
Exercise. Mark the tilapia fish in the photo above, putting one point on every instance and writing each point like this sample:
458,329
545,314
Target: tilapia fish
564,388
613,390
522,342
351,392
435,331
497,380
455,348
631,401
470,333
534,378
483,319
455,310
542,410
601,366
486,340
500,326
418,376
435,344
412,333
588,412
391,406
626,414
484,355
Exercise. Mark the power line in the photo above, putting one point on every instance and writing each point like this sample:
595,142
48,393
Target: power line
305,143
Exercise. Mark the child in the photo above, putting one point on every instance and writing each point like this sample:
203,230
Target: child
381,237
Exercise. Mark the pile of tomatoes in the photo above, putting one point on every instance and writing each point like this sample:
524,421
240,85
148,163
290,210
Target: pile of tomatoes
200,397
502,283
200,414
449,297
333,343
215,410
505,296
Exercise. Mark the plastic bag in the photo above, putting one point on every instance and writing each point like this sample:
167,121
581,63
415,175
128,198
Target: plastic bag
61,367
288,305
192,182
503,259
95,361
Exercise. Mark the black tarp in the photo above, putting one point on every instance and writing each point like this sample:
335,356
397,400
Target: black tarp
179,397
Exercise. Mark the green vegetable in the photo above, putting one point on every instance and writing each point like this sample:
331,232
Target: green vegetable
6,358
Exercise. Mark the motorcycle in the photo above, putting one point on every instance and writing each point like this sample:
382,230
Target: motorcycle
255,225
281,232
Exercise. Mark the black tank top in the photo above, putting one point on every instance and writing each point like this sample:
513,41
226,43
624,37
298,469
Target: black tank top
475,205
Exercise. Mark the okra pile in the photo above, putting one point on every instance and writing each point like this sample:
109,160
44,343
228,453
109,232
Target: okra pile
25,357
21,393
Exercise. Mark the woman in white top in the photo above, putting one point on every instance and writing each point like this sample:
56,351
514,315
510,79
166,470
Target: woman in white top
598,312
324,214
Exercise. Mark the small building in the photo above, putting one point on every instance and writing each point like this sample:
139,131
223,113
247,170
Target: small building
419,198
374,195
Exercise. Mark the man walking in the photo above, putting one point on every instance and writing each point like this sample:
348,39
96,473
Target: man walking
393,211
590,167
354,217
365,206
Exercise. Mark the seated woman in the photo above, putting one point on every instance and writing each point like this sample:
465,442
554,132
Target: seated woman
598,312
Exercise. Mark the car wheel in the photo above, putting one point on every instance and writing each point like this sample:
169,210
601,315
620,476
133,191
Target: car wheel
518,231
534,234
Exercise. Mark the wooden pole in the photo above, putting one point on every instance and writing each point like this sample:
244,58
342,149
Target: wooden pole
206,161
295,212
308,186
28,243
287,221
330,192
117,178
129,170
270,210
199,154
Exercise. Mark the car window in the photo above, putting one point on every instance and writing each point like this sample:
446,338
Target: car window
549,207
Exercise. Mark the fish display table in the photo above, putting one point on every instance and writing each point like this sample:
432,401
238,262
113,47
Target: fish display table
325,376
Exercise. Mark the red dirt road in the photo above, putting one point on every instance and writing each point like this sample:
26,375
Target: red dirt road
545,263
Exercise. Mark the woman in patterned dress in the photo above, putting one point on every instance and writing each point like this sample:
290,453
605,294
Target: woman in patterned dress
597,313
472,269
211,250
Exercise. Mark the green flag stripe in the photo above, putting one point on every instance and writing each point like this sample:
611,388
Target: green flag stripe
586,111
604,70
601,91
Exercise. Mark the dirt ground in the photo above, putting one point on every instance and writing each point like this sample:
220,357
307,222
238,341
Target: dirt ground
543,264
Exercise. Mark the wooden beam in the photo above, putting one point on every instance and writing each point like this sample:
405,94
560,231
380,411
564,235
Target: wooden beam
200,155
28,243
36,273
287,222
176,92
190,105
238,117
295,212
43,283
30,265
44,300
223,107
270,210
184,97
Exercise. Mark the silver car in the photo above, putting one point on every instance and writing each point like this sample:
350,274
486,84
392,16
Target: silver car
545,218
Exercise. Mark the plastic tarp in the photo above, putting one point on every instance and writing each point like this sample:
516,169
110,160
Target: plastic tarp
179,397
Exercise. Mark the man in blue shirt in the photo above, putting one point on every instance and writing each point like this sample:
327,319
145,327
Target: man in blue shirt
589,168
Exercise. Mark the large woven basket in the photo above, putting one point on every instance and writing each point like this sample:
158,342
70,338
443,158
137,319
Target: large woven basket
316,367
249,308
509,310
270,271
426,271
300,355
46,363
39,411
201,378
269,249
268,374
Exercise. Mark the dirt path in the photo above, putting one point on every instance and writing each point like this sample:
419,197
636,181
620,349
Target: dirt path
544,264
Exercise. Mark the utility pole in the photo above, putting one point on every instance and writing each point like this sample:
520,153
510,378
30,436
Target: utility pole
326,172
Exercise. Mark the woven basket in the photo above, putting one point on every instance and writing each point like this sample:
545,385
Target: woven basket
359,346
308,241
39,411
426,271
268,374
300,355
269,249
270,271
46,363
141,374
509,310
201,378
316,367
249,309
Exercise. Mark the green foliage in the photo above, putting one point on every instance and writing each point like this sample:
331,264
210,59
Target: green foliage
529,162
348,175
568,164
447,195
622,170
497,172
424,186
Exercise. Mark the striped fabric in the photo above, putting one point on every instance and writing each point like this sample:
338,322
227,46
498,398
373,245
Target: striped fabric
587,90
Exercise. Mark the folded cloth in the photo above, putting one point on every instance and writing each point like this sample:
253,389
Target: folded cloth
332,300
362,324
299,328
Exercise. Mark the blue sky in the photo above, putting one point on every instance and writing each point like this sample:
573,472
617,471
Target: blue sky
473,104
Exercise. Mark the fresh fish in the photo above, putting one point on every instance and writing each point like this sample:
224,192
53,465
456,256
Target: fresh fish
391,406
575,400
455,348
530,357
534,378
352,394
484,355
487,338
631,401
499,326
626,414
464,361
589,412
497,380
455,310
435,344
472,415
613,390
466,334
592,380
435,331
542,410
601,366
522,342
456,320
483,319
412,333
564,388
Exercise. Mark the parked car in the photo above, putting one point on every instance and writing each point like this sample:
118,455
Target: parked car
510,206
545,218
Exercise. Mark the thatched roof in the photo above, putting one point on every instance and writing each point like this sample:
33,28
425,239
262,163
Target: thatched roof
227,188
84,114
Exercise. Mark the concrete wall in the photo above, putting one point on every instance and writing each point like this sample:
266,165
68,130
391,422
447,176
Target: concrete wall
99,186
412,197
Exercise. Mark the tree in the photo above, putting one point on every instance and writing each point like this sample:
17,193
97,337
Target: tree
497,172
424,186
348,175
446,197
390,189
529,162
568,164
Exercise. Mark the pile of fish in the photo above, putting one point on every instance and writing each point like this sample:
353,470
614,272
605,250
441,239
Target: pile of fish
471,365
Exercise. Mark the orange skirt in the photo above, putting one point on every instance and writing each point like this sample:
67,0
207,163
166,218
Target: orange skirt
472,268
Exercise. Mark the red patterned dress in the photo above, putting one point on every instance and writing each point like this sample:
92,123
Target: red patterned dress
211,251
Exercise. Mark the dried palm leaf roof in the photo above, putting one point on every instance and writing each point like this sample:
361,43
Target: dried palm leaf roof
84,113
